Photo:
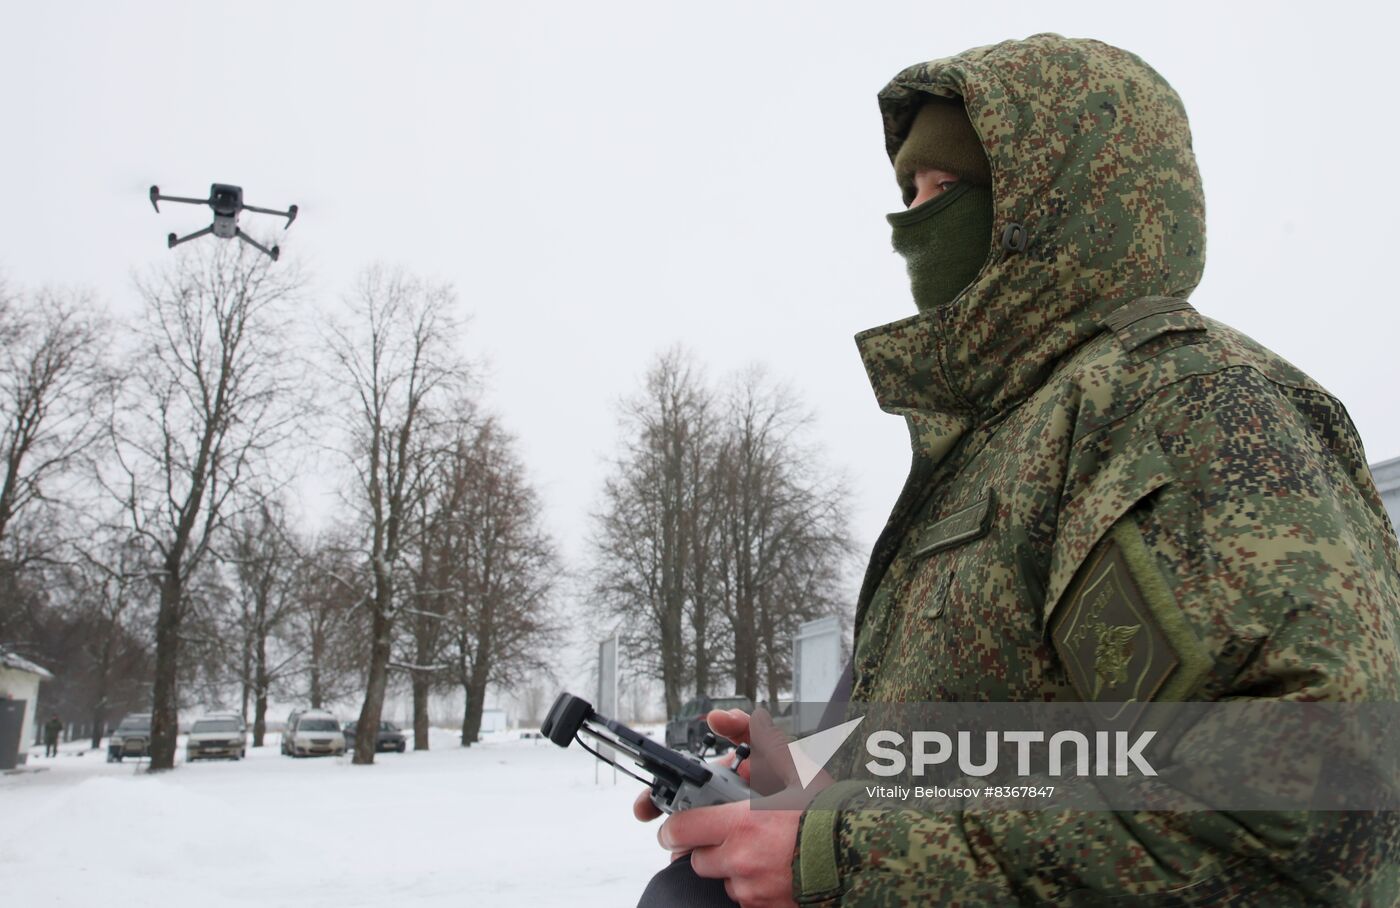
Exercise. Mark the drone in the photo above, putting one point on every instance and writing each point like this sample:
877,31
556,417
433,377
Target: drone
227,203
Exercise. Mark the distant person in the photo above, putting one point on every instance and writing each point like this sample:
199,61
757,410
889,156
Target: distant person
52,729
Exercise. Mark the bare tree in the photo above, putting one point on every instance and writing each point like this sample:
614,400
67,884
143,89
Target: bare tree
112,590
426,619
54,385
211,395
783,543
649,529
264,563
327,623
397,361
720,532
505,572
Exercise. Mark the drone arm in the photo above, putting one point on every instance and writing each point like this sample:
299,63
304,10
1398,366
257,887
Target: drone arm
290,214
172,241
157,197
272,253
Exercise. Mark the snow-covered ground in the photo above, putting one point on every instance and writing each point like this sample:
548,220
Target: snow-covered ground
503,823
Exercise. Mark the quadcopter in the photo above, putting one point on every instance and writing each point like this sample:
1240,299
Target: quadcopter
227,203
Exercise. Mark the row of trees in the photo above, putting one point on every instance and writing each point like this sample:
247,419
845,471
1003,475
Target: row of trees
719,533
145,547
147,552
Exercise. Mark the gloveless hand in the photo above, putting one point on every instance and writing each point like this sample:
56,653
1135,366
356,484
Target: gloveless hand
751,850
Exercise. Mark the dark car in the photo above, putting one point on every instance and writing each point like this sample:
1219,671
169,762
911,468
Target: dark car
132,738
390,738
687,729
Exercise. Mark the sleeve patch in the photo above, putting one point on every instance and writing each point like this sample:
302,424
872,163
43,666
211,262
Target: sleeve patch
1120,633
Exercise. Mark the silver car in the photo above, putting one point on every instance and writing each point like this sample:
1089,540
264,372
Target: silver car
312,733
217,736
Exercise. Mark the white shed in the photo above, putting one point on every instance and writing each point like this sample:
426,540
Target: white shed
493,720
19,684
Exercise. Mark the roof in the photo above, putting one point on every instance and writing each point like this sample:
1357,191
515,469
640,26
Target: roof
19,663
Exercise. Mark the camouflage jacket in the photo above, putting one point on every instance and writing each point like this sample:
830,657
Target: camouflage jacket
1071,413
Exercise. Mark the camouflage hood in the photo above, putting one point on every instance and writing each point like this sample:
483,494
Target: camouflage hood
1097,202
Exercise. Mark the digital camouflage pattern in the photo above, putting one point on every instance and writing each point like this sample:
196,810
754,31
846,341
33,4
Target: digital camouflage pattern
1073,388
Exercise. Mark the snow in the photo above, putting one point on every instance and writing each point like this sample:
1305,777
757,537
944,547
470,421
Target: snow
19,663
507,822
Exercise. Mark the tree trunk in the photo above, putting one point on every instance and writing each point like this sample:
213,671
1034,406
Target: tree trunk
165,706
261,682
318,647
367,729
672,663
247,682
745,649
420,711
772,665
99,721
471,718
99,703
698,622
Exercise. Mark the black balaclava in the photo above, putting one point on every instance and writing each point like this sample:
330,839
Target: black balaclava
945,240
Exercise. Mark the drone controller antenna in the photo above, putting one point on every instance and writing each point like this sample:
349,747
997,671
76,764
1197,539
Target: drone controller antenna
611,762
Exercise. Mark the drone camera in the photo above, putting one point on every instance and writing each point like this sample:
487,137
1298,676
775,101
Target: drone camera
225,199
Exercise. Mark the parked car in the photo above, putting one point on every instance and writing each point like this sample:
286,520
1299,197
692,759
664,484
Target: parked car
390,737
222,735
687,729
312,732
132,738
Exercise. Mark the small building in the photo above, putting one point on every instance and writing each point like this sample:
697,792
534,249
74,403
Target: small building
1387,476
19,698
494,720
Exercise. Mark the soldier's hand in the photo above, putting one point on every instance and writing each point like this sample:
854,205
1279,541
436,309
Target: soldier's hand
751,850
726,723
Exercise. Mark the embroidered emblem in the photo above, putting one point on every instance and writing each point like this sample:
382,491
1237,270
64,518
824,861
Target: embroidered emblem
1118,629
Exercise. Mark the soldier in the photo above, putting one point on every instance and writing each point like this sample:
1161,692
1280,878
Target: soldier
1075,420
52,729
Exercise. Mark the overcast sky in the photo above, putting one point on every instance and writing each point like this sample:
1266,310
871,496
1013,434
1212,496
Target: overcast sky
602,180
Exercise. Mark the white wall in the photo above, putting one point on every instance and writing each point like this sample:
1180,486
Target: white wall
22,686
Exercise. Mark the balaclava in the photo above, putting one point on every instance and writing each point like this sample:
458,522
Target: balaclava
944,240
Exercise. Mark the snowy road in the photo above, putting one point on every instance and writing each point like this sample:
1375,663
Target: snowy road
504,823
